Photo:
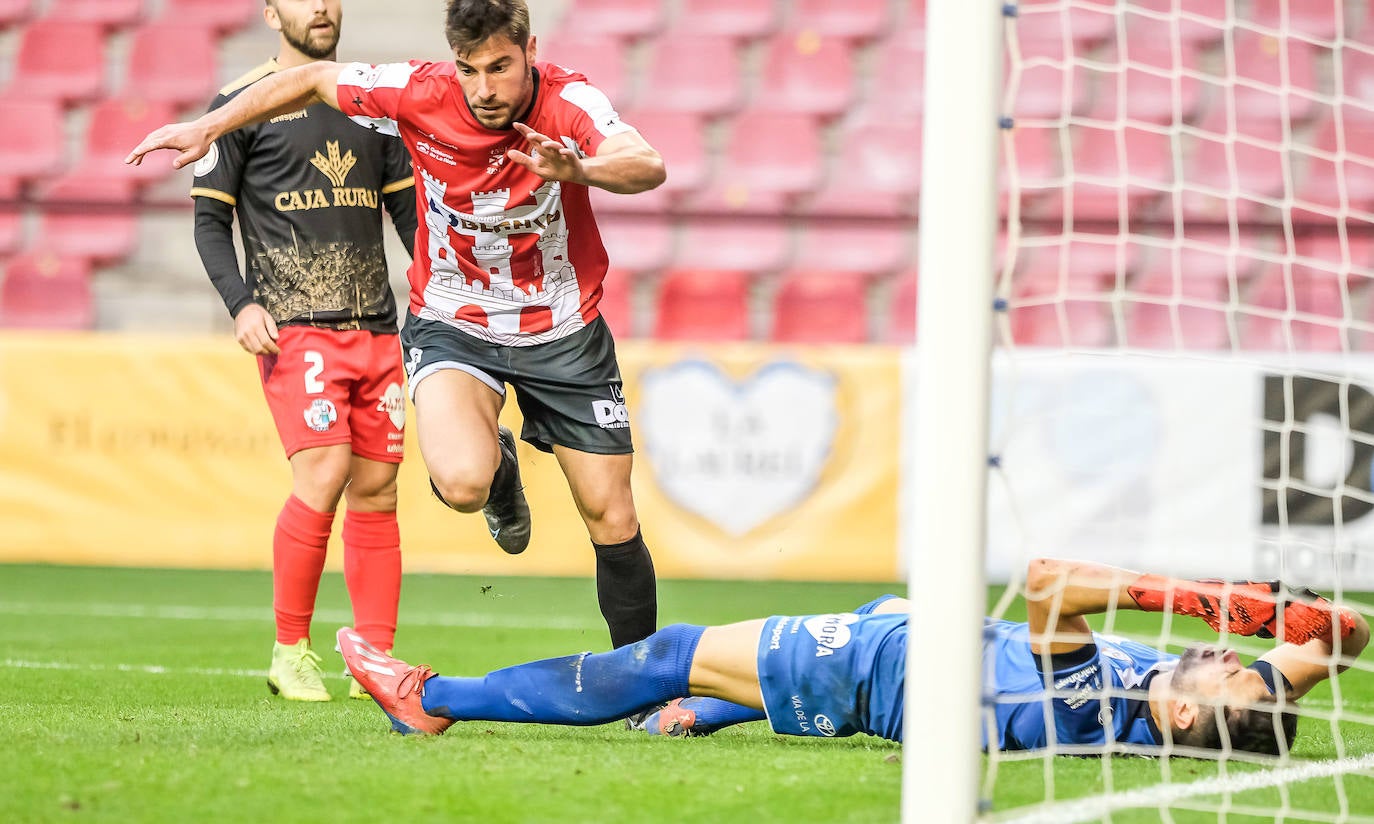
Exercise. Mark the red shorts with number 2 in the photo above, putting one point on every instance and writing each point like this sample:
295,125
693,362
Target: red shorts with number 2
329,387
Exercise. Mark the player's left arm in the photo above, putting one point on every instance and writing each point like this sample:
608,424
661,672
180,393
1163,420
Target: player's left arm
624,163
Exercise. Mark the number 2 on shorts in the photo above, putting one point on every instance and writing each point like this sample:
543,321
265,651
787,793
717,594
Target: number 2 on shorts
313,384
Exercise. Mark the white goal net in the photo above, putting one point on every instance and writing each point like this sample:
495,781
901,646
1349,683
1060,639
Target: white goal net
1182,379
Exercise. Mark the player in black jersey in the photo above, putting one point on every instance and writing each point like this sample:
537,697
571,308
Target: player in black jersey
314,303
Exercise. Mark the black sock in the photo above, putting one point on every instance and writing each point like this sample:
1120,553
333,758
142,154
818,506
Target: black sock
627,590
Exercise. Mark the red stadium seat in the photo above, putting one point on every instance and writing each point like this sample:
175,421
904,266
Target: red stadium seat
728,18
1052,18
1259,171
616,304
101,238
680,138
11,231
219,15
694,73
34,152
773,158
899,76
174,64
59,61
1110,163
15,11
636,243
1039,155
1327,171
600,58
101,174
1149,70
817,307
806,73
757,245
901,311
851,20
1203,22
1063,295
106,13
1178,300
1040,91
1303,310
877,171
1314,19
859,246
1357,84
46,291
1259,60
616,18
703,306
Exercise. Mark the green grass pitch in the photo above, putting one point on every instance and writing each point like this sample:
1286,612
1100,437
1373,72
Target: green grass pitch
139,695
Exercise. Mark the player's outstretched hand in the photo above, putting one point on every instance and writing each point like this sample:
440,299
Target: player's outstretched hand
190,140
547,157
1266,608
255,330
1262,608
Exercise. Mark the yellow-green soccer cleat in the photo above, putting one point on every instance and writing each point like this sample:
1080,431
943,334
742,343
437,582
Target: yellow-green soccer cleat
296,674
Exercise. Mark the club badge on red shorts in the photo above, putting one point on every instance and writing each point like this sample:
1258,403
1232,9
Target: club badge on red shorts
321,414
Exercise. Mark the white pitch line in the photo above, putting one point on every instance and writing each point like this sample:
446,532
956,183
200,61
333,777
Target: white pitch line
1088,809
340,617
145,669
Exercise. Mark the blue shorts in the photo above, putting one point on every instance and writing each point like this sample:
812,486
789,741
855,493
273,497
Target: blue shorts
834,675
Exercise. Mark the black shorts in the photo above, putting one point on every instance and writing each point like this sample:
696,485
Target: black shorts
569,390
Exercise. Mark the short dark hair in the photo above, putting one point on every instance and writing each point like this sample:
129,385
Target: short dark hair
1253,728
471,23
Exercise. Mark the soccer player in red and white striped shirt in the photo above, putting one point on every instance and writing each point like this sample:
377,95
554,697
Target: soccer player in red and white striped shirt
507,271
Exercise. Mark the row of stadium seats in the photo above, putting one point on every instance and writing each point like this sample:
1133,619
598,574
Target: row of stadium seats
54,292
1204,22
169,63
800,70
1088,292
111,15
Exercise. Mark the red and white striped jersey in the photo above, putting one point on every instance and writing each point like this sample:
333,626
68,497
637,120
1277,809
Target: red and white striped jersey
500,253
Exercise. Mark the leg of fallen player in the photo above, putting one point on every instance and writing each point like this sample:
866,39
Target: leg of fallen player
585,689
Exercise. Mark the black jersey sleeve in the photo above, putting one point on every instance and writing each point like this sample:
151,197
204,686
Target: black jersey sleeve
399,192
215,242
219,174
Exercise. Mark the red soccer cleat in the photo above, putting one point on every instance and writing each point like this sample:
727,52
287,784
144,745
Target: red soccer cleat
674,720
396,686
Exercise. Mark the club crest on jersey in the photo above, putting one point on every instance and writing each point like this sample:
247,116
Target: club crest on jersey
320,415
495,160
830,631
207,164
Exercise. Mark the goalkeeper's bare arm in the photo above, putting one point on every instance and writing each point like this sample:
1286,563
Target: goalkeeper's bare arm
1206,698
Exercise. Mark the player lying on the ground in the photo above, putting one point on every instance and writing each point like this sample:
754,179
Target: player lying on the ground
837,675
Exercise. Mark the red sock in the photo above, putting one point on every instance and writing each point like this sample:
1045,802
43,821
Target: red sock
372,571
298,549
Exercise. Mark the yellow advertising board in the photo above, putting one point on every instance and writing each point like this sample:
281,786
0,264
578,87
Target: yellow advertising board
751,462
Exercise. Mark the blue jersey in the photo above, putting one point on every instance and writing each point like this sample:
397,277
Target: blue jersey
834,675
1101,690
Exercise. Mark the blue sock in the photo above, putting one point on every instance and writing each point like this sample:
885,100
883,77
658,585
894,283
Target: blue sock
591,688
714,714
